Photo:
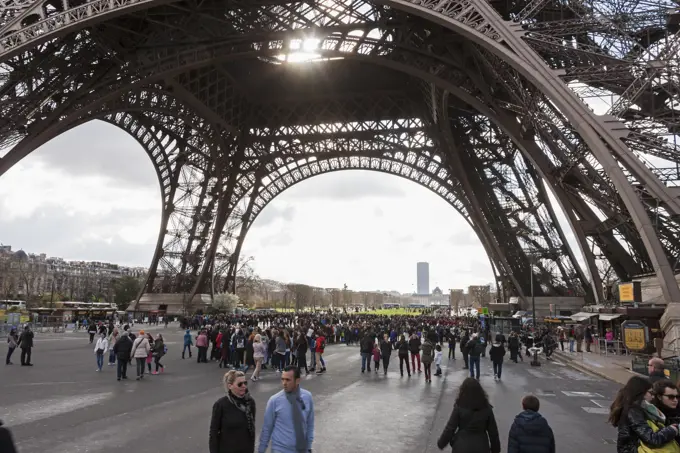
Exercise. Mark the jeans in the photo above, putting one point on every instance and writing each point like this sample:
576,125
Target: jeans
313,358
121,369
404,359
186,346
9,355
452,351
112,356
571,345
365,361
140,366
100,360
474,366
498,368
428,371
386,363
413,361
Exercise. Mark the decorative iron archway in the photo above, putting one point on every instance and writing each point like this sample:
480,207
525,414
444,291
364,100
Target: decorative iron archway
220,82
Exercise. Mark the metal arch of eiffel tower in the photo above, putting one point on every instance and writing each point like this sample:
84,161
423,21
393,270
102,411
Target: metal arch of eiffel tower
481,101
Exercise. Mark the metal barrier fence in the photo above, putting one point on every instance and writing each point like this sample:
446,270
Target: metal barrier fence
614,347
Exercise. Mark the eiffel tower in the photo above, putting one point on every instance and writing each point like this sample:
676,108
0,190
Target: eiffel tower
526,116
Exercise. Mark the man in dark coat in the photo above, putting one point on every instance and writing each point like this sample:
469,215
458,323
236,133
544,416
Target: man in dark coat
26,344
530,432
122,349
6,441
655,367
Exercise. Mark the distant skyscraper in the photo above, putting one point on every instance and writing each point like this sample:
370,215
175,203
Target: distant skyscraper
423,278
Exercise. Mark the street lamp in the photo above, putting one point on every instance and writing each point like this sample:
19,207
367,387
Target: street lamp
534,361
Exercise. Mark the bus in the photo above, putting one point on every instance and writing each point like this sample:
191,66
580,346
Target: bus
7,304
391,305
416,306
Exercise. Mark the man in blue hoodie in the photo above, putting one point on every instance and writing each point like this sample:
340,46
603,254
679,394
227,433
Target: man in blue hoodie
530,432
188,343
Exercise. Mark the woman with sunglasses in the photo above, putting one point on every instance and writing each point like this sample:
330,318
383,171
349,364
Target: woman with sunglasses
633,414
666,400
232,426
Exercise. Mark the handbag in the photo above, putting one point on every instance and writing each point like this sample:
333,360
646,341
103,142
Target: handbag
670,447
100,351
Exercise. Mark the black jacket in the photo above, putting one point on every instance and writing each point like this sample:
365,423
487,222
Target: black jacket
6,441
367,344
496,353
530,433
414,345
634,428
385,349
123,348
656,376
471,431
402,346
26,339
229,429
474,347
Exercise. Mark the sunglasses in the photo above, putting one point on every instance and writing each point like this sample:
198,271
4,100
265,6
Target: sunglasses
671,397
242,384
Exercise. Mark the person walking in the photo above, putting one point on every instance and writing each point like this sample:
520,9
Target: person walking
530,432
302,344
385,352
496,354
414,345
158,353
320,347
463,349
472,426
258,356
289,417
402,347
188,343
26,345
101,347
140,350
113,338
427,359
232,425
366,350
474,350
122,349
12,341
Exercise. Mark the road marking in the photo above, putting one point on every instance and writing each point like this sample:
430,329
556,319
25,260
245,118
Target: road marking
601,403
583,394
596,410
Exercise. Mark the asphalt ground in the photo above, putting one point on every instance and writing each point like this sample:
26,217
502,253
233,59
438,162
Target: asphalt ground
62,405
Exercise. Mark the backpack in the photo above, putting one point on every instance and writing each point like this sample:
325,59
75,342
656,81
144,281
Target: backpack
323,344
240,343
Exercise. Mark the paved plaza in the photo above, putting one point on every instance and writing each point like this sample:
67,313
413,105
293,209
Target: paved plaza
61,405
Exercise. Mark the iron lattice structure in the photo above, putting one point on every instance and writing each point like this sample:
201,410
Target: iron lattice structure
488,103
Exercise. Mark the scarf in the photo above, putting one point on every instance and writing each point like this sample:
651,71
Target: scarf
295,401
653,412
245,405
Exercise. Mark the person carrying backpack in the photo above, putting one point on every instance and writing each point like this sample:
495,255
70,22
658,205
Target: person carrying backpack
320,347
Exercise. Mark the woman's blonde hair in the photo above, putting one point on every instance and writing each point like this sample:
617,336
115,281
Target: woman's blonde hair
230,377
258,338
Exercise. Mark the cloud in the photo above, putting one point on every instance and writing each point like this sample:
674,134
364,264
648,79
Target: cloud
351,185
99,149
270,214
464,236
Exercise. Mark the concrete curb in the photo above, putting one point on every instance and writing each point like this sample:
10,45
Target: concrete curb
574,363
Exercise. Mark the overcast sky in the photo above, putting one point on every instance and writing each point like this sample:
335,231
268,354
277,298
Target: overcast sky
92,194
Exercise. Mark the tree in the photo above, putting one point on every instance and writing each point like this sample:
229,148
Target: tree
225,302
302,295
480,295
125,291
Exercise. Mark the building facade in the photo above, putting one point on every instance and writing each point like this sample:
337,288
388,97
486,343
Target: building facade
423,278
34,277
